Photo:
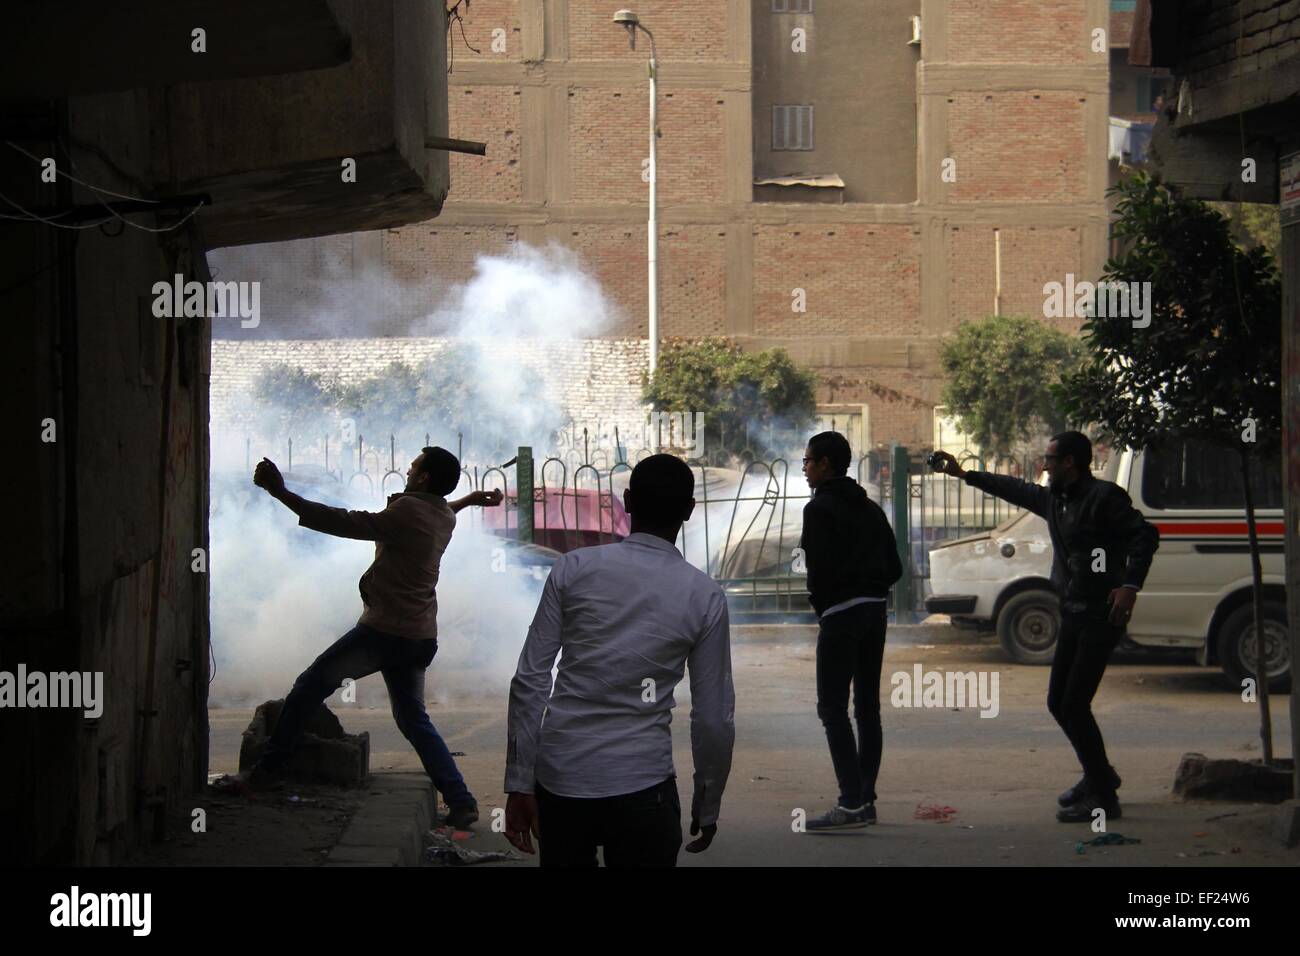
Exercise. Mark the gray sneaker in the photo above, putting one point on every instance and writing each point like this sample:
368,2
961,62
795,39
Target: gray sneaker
843,818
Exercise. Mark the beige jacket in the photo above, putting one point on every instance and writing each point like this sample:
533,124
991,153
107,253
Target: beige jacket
410,536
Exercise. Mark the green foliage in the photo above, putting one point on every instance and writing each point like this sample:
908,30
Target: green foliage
999,376
292,401
1211,357
384,404
1253,224
735,390
440,396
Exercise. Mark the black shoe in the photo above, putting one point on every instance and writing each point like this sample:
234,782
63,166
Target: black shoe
460,818
843,818
1081,789
1081,811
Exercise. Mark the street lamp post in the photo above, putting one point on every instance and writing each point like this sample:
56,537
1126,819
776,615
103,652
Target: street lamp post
629,21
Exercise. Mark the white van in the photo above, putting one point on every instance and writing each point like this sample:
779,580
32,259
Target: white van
1197,594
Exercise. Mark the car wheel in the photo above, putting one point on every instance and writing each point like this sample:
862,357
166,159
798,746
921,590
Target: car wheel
1028,625
1237,647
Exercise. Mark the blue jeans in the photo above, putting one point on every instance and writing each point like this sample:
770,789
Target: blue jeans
359,653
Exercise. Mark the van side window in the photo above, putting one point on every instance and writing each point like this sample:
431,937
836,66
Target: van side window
1192,474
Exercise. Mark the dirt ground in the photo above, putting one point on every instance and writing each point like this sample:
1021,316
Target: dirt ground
1000,775
295,826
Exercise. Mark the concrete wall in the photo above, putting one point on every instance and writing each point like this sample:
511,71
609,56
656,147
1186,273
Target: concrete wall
592,380
111,509
109,483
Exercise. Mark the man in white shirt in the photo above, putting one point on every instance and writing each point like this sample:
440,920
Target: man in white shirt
590,763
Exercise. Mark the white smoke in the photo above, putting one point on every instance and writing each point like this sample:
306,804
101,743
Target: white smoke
282,594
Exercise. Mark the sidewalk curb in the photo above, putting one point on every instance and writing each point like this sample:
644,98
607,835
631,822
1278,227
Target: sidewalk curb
389,828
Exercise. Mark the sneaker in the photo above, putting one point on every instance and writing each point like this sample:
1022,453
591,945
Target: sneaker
1081,810
842,818
1080,789
460,818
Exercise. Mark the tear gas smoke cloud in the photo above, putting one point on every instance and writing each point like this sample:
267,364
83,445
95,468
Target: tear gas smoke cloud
282,594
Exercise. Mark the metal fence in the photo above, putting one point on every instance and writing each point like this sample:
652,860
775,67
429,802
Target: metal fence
748,516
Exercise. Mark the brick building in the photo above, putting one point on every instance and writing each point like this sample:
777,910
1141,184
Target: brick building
803,146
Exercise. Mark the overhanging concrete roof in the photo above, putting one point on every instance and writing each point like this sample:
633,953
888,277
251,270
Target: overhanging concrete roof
53,50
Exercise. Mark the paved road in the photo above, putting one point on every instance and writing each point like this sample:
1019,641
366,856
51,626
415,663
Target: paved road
1001,774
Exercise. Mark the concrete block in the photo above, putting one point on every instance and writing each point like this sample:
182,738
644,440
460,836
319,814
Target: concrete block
1200,778
325,752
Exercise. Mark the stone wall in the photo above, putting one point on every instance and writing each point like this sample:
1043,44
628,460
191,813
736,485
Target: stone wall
594,381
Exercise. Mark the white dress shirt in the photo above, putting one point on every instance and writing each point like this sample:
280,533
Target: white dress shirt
626,619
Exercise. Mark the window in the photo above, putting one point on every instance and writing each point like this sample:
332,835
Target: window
792,127
1148,88
1193,474
792,6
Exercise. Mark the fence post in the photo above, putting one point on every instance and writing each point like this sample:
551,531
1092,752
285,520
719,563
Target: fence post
898,470
524,488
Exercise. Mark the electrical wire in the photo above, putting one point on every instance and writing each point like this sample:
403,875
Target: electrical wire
113,213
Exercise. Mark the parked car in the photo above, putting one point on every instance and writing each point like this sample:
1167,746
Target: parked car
1197,594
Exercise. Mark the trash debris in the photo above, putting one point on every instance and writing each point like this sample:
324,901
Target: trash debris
444,849
933,811
752,779
967,826
458,753
300,800
451,834
1105,839
1220,816
230,783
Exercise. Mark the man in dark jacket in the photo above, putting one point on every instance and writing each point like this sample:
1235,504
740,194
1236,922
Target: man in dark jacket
852,560
1102,549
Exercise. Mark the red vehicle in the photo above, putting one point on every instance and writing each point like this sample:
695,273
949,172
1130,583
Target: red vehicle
563,519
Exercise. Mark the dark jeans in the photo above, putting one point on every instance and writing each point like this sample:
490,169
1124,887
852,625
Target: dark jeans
850,648
636,829
1083,649
359,653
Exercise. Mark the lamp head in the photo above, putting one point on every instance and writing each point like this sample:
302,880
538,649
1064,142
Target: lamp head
629,21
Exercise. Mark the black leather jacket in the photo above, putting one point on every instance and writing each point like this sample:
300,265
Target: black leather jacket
1099,540
848,545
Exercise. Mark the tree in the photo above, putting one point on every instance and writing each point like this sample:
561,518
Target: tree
999,376
383,405
754,403
1208,366
293,402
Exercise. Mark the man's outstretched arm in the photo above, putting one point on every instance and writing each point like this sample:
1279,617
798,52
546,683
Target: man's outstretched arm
1023,494
386,525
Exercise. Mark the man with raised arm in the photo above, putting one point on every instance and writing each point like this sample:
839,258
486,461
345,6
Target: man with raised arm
398,629
1101,551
